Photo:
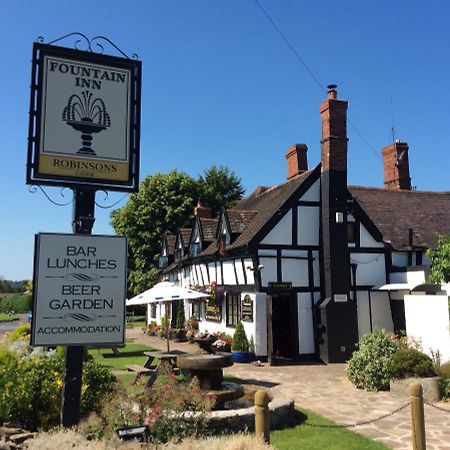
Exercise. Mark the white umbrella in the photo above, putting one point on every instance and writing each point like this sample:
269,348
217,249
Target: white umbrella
165,292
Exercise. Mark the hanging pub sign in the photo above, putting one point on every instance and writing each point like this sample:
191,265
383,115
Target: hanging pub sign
247,309
79,290
84,119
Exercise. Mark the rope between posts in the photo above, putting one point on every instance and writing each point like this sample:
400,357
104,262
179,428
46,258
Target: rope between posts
437,407
365,422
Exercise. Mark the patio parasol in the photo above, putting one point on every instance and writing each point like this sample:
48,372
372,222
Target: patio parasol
165,292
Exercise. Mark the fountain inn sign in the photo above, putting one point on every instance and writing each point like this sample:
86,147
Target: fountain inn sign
84,119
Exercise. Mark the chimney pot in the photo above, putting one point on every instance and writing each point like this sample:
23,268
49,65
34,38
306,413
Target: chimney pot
332,93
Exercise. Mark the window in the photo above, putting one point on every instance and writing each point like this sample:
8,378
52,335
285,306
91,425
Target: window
177,255
162,262
351,232
194,249
153,310
197,309
233,304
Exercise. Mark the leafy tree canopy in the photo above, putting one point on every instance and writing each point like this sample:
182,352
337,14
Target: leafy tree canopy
220,187
164,203
440,261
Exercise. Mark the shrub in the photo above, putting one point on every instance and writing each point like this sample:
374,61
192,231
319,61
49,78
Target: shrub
30,391
181,318
31,381
175,410
240,342
370,367
16,303
98,383
444,370
22,331
411,362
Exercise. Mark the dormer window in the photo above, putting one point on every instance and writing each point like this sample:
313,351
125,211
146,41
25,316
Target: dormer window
194,249
222,244
162,262
178,255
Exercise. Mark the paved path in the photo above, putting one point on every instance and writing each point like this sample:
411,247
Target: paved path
9,326
325,390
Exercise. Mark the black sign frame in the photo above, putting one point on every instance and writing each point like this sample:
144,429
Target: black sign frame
33,176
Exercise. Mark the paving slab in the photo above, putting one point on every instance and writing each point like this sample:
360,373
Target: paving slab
325,390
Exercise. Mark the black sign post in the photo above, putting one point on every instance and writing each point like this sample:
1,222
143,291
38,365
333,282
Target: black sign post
84,133
82,223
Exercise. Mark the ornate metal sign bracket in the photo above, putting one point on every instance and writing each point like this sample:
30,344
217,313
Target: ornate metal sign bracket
93,45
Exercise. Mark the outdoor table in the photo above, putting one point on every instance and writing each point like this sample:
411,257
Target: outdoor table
157,360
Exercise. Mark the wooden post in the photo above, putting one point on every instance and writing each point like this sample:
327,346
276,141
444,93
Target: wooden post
82,223
167,326
262,417
417,416
269,331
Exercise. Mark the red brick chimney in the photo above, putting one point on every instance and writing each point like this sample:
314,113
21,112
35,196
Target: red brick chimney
297,160
334,133
338,314
202,211
396,167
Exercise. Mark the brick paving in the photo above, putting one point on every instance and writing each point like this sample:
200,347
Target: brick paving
325,390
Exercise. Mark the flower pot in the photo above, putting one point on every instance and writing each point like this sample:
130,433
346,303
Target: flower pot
241,357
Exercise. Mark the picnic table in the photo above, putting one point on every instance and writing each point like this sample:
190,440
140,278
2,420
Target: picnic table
155,362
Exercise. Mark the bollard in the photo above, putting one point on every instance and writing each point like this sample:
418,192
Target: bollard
262,418
417,416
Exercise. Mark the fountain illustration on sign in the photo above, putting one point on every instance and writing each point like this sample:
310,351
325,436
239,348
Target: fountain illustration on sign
88,116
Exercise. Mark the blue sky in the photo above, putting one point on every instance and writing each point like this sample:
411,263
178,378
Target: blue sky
221,87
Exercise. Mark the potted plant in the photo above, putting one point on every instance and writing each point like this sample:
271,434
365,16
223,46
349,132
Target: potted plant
240,345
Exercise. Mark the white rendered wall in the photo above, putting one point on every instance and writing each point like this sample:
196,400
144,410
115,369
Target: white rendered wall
228,273
260,317
248,264
294,270
204,273
282,232
313,193
269,272
316,268
414,277
427,319
219,278
212,272
399,259
371,270
239,271
366,239
381,312
363,314
308,225
305,324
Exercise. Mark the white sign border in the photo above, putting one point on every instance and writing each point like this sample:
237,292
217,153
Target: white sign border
35,294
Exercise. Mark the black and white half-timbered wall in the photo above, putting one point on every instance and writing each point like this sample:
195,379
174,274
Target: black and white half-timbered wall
298,262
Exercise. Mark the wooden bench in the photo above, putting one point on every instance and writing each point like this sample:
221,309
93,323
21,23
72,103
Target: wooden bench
139,370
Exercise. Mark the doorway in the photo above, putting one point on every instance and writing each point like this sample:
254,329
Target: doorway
284,326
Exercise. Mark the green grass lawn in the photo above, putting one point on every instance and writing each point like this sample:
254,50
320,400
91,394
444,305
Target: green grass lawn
312,432
8,317
130,354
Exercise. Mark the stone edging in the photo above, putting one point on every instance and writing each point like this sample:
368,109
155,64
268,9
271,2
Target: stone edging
281,410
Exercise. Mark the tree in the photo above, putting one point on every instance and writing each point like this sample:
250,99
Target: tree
220,187
164,203
440,261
